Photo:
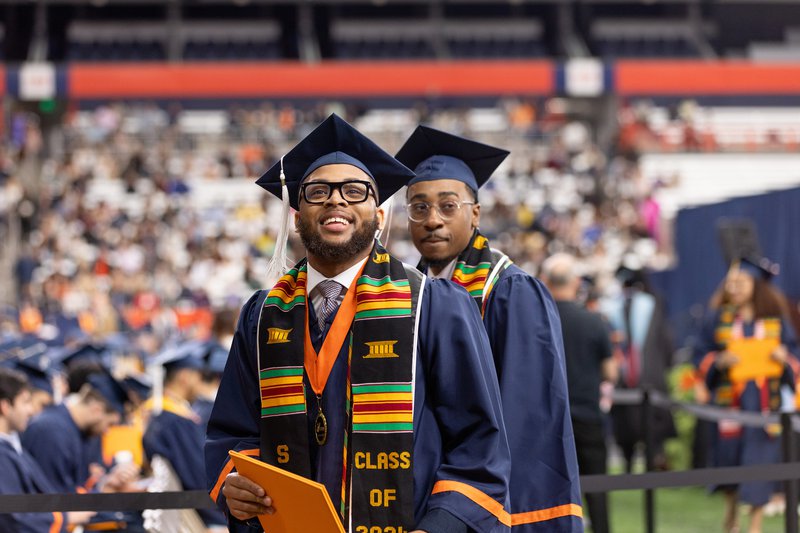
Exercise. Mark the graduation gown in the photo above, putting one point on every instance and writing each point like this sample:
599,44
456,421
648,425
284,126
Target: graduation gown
177,436
458,437
66,458
732,444
22,475
524,329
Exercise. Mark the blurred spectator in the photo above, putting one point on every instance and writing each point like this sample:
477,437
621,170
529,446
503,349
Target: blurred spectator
589,362
644,349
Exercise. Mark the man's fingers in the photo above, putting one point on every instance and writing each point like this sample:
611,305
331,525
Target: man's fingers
245,498
240,482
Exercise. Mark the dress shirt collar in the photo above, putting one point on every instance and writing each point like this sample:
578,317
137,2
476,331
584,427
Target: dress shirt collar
13,439
445,273
344,278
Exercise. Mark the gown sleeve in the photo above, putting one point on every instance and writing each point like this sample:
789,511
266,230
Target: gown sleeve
471,481
11,482
234,419
524,329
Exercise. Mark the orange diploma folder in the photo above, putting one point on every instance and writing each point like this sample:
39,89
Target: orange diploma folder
755,359
301,505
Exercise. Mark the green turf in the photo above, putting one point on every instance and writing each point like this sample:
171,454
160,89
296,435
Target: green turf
681,510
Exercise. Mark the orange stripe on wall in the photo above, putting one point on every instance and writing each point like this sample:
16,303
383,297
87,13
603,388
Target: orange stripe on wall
705,78
291,79
227,469
481,498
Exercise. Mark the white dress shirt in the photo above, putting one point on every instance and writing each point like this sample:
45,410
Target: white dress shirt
345,279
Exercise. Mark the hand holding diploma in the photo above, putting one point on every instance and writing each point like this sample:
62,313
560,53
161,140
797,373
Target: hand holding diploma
245,498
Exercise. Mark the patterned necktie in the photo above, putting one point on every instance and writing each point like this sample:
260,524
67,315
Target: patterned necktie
329,290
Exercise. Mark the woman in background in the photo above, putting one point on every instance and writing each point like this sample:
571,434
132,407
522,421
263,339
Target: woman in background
746,306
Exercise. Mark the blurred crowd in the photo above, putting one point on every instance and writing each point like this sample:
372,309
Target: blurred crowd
112,244
106,265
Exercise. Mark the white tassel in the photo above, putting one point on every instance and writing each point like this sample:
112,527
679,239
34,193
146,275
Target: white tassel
157,375
383,234
279,263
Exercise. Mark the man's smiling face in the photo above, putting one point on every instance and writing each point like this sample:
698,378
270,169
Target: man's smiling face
337,230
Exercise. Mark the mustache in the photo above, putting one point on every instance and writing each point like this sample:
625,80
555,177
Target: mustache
434,235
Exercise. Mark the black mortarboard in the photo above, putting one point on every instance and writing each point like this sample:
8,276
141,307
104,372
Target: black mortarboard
84,352
335,141
110,389
214,357
759,267
183,355
37,368
140,384
436,155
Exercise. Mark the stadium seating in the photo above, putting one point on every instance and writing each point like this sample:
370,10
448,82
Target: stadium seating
631,38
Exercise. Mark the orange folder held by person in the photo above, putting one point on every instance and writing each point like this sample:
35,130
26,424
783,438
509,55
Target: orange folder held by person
300,504
755,359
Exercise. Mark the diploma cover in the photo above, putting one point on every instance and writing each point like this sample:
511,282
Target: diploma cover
300,504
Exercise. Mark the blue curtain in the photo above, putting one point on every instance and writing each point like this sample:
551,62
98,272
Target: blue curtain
700,269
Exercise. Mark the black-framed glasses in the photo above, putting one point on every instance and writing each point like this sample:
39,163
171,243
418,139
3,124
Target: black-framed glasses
447,209
352,191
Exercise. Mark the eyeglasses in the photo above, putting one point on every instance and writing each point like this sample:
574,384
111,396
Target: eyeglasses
352,191
447,209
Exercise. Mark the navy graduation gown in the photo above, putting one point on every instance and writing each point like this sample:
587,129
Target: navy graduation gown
21,475
457,437
66,458
524,330
179,440
745,445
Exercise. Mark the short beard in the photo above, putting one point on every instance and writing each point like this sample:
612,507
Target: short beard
438,263
360,241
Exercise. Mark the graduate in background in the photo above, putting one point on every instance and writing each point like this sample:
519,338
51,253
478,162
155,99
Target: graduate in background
747,306
174,430
398,414
520,317
21,473
79,422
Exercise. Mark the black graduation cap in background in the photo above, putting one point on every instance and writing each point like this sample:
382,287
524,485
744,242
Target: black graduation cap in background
740,247
335,141
83,352
436,155
110,389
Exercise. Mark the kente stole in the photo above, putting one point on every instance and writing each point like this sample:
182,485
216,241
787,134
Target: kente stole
378,439
478,268
730,329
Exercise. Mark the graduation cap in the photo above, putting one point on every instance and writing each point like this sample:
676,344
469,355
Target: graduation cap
740,248
139,384
214,357
88,352
436,155
37,369
334,141
183,355
110,389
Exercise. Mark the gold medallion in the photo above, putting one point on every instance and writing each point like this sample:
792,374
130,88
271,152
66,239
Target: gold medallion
321,428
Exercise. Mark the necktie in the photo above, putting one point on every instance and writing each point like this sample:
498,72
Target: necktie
329,290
